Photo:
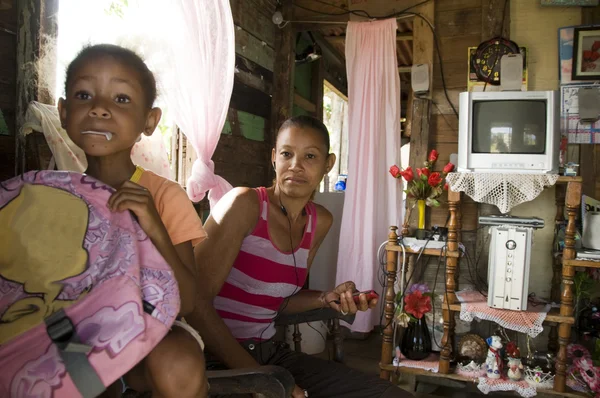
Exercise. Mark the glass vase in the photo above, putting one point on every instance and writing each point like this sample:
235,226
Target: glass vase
416,341
421,208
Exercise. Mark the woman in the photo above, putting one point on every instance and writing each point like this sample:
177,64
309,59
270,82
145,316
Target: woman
261,245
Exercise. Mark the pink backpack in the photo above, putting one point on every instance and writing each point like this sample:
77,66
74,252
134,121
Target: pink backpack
84,294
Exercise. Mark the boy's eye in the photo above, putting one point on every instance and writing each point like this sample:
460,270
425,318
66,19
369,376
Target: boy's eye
310,156
123,99
82,95
286,154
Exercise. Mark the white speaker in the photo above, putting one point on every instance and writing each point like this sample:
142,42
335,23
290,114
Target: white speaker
419,78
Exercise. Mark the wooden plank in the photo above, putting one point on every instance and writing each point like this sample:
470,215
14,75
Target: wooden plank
582,263
253,75
458,22
254,20
457,5
427,252
441,103
455,75
283,73
400,36
454,48
251,100
254,49
304,103
419,139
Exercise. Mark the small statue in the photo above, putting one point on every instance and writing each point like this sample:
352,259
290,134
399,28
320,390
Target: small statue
515,367
493,361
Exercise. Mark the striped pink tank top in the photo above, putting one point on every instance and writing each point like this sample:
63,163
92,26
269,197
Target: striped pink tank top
262,276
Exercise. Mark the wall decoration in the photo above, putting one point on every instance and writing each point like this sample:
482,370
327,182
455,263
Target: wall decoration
473,83
588,3
565,54
577,132
586,53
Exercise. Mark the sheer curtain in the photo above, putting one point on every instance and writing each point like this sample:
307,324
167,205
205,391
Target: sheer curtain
197,67
373,199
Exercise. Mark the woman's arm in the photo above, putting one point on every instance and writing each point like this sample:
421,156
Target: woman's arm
230,222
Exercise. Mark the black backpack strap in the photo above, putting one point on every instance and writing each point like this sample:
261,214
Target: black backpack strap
74,354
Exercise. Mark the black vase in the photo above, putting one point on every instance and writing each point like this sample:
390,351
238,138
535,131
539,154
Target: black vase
416,342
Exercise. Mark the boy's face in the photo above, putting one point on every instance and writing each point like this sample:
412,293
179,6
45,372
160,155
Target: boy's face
105,99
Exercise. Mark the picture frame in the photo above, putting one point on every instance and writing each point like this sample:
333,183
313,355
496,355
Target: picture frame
586,53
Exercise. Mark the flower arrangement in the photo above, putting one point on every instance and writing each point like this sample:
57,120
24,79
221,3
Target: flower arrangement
425,188
429,184
413,304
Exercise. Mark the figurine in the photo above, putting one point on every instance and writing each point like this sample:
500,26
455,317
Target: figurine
515,367
493,361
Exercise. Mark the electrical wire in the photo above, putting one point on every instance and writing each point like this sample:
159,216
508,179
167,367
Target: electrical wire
501,36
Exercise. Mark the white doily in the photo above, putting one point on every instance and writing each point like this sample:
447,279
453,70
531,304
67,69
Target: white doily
503,190
521,387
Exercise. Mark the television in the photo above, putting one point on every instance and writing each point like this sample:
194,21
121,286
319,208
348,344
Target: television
509,132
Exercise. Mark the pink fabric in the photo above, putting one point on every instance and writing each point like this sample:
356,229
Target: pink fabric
123,269
373,199
262,277
431,363
520,387
200,65
474,305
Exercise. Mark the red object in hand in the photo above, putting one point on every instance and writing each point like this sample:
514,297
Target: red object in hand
371,294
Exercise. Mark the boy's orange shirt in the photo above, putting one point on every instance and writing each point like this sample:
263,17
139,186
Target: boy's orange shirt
174,207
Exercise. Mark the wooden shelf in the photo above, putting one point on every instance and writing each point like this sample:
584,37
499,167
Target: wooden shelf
553,315
427,252
453,376
564,179
582,263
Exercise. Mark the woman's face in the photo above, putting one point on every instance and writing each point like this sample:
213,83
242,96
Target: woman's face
301,160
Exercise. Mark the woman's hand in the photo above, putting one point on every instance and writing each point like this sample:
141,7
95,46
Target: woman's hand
138,200
340,299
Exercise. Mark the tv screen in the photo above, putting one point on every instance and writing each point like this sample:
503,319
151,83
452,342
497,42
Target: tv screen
509,126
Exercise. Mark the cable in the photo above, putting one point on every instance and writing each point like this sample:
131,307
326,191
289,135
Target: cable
360,13
501,36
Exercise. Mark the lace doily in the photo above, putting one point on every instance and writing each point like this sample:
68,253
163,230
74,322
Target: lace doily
521,387
474,305
431,363
503,190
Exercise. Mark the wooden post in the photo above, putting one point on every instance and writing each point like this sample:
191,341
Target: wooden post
420,114
387,348
283,72
318,73
451,285
492,13
559,195
573,200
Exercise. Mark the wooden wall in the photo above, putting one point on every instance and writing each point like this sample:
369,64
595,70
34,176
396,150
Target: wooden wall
8,87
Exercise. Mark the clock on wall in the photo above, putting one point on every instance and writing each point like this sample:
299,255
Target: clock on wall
486,62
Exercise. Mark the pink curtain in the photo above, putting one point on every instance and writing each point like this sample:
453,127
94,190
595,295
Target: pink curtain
373,199
201,63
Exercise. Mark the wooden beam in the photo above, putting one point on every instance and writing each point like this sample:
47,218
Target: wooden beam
283,72
493,12
329,51
423,46
405,69
304,103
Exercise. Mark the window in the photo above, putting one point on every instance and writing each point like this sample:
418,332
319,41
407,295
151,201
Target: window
335,118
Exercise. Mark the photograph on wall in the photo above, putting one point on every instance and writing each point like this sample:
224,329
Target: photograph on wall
581,3
473,84
586,53
565,54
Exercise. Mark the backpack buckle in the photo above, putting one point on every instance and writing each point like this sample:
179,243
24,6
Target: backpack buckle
62,332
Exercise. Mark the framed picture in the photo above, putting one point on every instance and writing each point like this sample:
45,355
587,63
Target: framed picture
586,54
588,3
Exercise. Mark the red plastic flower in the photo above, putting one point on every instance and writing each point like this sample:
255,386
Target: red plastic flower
423,172
434,179
408,174
445,186
449,168
395,171
433,156
417,305
512,350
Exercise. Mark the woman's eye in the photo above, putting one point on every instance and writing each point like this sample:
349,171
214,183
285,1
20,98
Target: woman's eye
123,99
82,95
286,154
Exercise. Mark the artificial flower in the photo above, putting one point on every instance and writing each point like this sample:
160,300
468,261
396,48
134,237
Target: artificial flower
424,172
445,186
512,350
402,319
417,305
408,174
395,171
421,287
434,179
449,168
433,156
